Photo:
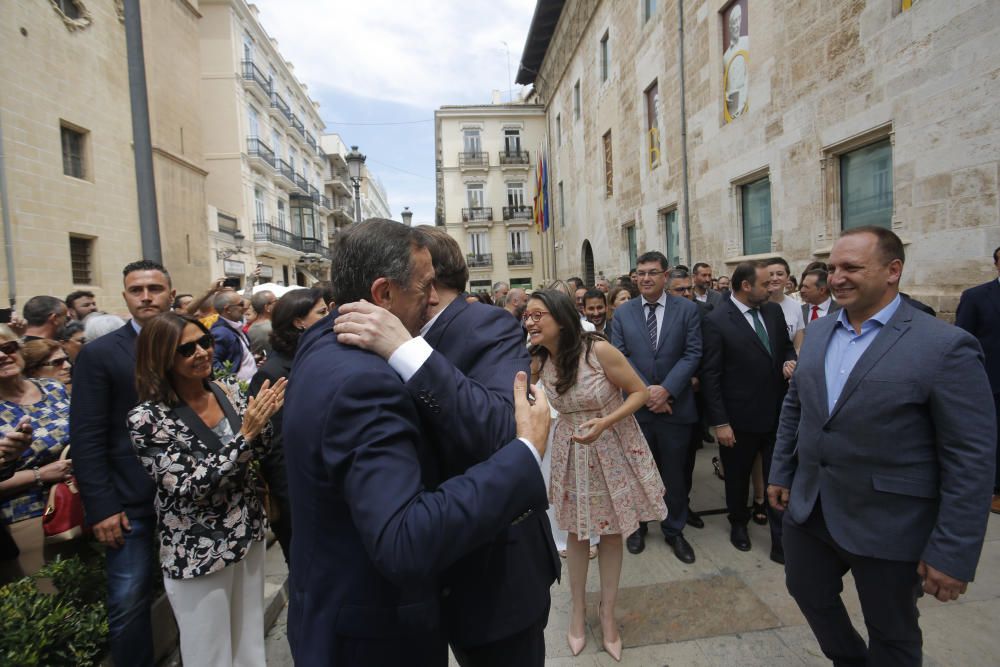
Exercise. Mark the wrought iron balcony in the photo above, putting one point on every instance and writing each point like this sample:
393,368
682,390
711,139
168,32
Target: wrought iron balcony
258,150
297,125
519,259
302,183
518,213
519,158
324,201
314,194
481,213
286,170
479,261
479,160
264,232
252,73
279,103
311,140
314,246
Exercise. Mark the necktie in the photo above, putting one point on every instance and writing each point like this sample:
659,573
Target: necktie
815,314
758,326
651,323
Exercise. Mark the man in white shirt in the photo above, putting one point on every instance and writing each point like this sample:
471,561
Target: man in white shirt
778,271
815,293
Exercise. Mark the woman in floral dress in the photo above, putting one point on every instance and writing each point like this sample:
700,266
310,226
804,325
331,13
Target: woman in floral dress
604,480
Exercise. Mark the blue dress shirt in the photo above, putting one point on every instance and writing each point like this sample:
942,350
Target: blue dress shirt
846,347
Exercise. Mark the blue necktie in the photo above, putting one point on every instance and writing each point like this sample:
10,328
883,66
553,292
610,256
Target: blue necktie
651,323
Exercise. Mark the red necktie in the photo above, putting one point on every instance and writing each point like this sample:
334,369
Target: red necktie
815,314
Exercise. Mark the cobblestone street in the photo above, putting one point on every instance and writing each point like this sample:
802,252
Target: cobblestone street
731,608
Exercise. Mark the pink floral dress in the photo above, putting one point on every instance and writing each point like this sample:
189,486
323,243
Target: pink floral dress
608,486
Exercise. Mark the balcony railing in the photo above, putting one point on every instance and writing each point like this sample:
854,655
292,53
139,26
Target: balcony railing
297,125
314,194
286,170
314,246
519,259
479,261
279,103
477,214
264,232
302,183
252,73
324,201
518,213
311,140
258,149
479,159
514,157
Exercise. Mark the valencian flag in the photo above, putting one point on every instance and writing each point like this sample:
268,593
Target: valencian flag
541,194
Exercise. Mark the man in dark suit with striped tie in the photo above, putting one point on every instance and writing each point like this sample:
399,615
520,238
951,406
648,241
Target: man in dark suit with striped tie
815,293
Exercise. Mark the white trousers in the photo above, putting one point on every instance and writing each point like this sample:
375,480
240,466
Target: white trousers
221,615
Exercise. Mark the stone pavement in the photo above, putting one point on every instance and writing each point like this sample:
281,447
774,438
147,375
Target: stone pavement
731,609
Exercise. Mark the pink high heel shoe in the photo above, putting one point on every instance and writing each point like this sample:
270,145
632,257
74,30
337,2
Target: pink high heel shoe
614,649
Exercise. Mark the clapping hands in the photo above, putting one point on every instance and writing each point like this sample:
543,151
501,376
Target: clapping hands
261,408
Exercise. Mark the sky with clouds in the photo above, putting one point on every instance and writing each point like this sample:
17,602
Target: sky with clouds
396,61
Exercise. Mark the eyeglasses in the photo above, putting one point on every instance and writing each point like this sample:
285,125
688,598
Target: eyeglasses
11,347
56,363
535,316
680,290
651,274
187,350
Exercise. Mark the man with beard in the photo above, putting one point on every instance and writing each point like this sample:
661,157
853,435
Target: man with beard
595,308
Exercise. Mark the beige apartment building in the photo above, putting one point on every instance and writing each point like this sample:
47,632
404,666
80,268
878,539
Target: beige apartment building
771,128
67,159
486,185
265,186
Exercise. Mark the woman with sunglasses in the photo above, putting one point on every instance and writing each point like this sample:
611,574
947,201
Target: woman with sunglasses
44,358
604,480
200,441
40,407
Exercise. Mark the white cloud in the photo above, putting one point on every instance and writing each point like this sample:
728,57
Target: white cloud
423,53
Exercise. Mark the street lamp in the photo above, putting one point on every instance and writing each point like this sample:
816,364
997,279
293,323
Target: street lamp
355,161
407,216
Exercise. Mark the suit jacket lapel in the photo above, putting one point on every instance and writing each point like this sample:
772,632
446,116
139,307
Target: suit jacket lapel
669,315
436,332
994,292
884,340
126,340
640,319
741,324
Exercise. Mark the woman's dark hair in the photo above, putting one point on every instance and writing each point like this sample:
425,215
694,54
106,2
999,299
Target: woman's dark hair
68,330
295,304
155,350
573,340
484,297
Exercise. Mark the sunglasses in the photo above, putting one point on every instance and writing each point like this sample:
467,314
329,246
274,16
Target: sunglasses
188,349
10,347
55,363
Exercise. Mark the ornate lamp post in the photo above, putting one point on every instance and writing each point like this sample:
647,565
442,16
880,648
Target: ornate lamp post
355,161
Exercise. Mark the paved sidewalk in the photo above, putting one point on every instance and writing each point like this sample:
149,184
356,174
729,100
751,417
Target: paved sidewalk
731,609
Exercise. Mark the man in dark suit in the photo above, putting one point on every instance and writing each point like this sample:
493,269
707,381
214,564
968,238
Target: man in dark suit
979,314
884,459
815,293
374,523
660,334
702,286
498,596
232,346
117,493
748,359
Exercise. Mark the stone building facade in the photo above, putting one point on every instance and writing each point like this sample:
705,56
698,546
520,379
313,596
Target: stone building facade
486,184
797,120
68,160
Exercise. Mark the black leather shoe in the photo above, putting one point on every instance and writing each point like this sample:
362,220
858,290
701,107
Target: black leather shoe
681,548
739,536
694,520
636,542
778,556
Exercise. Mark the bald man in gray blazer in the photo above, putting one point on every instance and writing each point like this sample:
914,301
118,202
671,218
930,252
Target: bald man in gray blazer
883,460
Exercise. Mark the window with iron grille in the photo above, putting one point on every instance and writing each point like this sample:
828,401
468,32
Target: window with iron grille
72,152
608,166
81,254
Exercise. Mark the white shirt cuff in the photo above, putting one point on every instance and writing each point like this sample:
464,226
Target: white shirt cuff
409,357
534,452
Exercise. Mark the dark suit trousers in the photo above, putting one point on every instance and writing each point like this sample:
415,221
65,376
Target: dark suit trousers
669,444
814,569
738,464
526,648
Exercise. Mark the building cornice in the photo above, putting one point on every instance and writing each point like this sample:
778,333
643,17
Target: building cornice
179,160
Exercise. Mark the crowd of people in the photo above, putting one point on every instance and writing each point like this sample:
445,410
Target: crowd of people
424,455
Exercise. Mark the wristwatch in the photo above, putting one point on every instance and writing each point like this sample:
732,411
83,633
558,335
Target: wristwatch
38,477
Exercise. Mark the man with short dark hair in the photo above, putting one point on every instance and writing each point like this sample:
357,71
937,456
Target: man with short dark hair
232,347
181,303
262,303
703,292
45,315
884,459
660,334
365,478
80,304
575,283
815,294
744,372
979,313
595,309
117,493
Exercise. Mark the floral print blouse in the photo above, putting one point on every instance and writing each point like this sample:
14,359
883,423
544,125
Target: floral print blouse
50,419
208,508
